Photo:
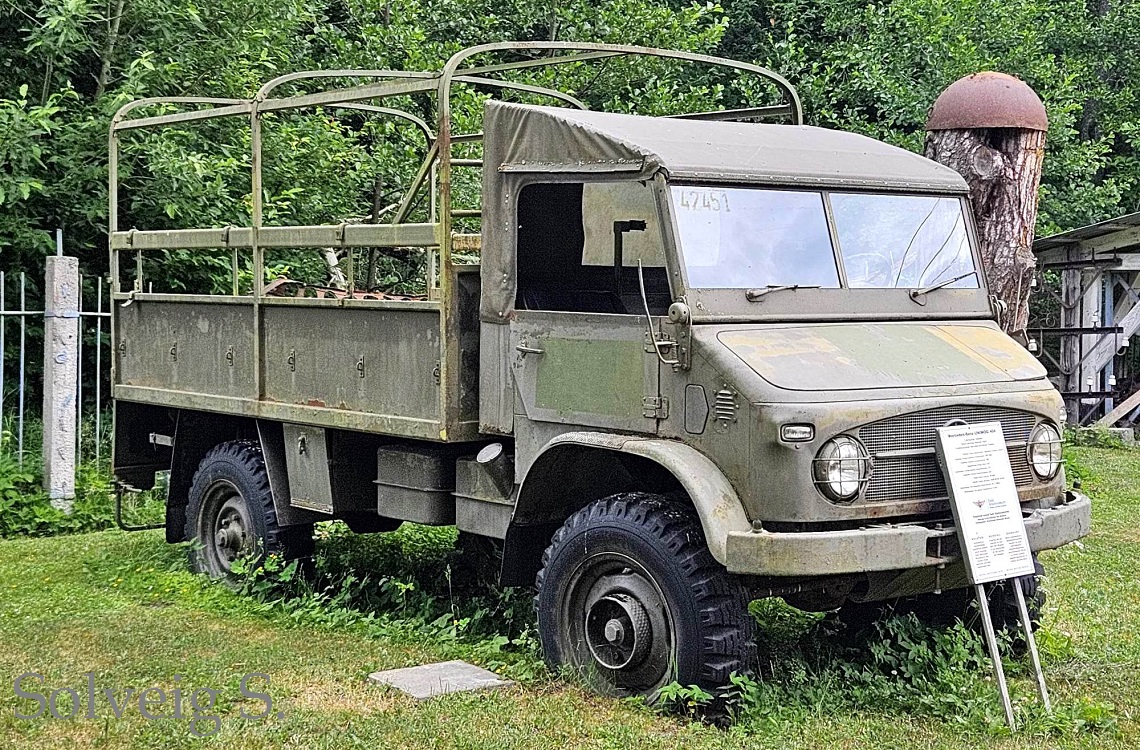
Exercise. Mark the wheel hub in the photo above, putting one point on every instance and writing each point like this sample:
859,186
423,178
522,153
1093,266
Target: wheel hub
230,535
618,632
615,631
618,626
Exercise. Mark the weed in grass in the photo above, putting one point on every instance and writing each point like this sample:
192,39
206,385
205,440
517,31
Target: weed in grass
687,700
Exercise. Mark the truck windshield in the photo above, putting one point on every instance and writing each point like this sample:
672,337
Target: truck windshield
752,238
740,238
908,241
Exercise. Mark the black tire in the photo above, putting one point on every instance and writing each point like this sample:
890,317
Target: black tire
230,513
630,598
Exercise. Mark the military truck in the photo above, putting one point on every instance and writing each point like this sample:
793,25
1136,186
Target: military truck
697,360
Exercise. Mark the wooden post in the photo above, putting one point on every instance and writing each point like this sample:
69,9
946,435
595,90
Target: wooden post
990,128
1071,280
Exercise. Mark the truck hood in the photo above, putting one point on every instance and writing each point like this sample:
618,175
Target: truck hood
859,356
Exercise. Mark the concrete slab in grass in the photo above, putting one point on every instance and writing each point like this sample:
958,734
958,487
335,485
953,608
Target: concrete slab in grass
429,680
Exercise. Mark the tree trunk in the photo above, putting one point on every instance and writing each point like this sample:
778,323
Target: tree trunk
1002,166
114,23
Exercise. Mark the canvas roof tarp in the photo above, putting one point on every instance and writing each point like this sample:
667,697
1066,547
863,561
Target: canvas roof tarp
526,143
555,139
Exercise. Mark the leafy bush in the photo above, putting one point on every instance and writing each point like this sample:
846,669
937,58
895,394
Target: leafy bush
1097,437
26,509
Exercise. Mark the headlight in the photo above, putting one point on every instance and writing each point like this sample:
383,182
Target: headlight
1045,451
841,468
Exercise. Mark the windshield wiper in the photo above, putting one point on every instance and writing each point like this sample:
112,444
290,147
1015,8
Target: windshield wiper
918,294
754,294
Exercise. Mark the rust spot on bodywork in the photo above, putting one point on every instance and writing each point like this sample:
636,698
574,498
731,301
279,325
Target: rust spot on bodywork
316,402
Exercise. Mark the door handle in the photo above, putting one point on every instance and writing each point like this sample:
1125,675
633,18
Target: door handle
528,349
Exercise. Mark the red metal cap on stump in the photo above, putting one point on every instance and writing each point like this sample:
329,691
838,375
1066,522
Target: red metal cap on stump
988,100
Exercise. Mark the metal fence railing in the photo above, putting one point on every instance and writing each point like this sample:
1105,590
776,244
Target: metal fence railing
18,315
21,362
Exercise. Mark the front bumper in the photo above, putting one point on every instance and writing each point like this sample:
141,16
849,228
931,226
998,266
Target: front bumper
882,547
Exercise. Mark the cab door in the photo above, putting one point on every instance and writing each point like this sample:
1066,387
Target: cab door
585,369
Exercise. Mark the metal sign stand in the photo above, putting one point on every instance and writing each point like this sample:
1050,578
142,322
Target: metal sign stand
991,532
1031,639
995,655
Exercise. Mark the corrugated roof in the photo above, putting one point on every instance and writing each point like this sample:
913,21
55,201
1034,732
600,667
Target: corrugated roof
1090,232
535,138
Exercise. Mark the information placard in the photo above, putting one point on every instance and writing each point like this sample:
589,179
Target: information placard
983,496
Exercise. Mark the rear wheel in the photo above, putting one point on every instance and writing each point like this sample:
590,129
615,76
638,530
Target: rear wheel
630,598
230,513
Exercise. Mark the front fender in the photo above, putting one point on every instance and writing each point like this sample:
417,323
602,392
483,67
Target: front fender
716,502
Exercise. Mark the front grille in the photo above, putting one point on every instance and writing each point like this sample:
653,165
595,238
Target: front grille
917,476
905,478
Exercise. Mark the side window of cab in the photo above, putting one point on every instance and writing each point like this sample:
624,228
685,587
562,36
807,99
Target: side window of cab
566,249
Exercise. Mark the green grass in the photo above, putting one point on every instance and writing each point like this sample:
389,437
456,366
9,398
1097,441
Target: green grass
125,608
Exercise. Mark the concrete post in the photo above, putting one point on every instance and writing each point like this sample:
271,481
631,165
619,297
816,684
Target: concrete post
61,361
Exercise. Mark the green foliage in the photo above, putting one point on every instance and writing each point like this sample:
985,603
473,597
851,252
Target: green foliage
69,64
24,173
872,67
1099,437
684,699
809,667
422,593
26,509
876,68
902,666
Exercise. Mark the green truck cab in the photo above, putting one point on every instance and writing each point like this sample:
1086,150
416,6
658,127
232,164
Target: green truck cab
699,361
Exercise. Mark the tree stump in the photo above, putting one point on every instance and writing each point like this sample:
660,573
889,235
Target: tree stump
990,128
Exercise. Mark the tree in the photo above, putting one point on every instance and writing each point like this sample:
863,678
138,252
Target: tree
876,68
870,66
77,61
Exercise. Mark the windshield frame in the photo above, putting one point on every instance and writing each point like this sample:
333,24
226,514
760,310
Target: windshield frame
843,303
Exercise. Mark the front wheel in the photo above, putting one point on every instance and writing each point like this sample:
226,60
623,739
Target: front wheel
630,598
